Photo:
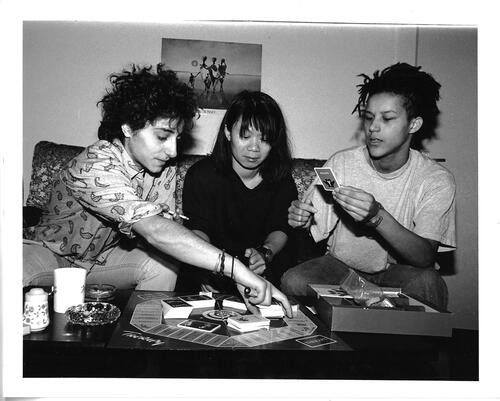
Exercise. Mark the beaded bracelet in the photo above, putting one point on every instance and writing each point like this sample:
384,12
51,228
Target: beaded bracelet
222,259
217,264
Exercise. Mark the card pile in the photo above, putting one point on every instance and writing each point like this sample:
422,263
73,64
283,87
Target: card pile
198,325
176,308
247,323
272,311
235,303
199,301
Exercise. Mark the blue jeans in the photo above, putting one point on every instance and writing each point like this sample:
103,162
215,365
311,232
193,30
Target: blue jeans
424,284
125,267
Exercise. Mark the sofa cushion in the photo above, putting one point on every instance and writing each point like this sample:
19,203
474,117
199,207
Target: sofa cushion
303,173
48,159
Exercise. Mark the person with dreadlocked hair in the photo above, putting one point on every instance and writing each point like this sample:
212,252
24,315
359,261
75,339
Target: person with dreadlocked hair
395,207
112,209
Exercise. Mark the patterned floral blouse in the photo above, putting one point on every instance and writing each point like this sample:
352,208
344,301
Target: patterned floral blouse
97,198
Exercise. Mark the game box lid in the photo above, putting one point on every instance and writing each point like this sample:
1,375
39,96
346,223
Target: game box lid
410,317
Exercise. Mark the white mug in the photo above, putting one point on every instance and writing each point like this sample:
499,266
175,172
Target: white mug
69,287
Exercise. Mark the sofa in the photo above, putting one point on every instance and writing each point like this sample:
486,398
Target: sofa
49,158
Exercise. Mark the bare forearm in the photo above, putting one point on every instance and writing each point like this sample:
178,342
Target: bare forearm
202,235
276,241
413,249
173,239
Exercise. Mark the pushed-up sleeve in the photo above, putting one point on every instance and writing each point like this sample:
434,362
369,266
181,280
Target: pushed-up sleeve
99,180
198,200
435,211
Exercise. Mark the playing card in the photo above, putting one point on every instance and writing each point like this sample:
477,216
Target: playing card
316,341
327,178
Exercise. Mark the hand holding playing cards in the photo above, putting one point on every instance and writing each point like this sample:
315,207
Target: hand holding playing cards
299,213
261,290
361,205
256,262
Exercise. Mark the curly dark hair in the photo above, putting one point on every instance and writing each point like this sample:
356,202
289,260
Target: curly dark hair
259,110
418,89
139,96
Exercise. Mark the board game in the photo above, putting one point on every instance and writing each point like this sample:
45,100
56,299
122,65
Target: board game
142,325
407,315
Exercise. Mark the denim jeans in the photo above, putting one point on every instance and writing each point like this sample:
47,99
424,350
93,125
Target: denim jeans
425,284
125,267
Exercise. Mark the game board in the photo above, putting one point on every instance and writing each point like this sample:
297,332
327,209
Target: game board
142,325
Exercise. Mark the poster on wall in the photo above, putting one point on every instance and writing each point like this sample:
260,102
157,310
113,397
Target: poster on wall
217,71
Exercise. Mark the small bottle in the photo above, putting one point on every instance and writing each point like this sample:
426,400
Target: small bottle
36,309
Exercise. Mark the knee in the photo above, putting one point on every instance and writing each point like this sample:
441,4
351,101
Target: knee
429,278
292,283
155,275
430,287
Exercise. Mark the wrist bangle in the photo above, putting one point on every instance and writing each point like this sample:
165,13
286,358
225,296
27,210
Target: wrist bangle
232,268
217,264
222,259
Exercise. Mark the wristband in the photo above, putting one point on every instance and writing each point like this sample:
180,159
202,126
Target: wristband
265,252
374,221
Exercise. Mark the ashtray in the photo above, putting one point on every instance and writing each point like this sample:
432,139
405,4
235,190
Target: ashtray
93,313
99,292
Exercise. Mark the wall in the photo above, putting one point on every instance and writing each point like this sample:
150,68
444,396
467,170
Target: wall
311,70
457,143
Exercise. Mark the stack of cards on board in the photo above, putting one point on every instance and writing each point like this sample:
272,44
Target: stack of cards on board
235,303
175,308
198,325
199,301
272,311
246,323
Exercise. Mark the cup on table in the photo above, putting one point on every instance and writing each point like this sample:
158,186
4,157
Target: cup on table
69,287
36,309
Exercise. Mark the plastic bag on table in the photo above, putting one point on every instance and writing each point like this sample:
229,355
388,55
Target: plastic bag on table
364,292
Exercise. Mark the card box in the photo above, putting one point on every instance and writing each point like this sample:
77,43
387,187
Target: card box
412,318
176,308
199,301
